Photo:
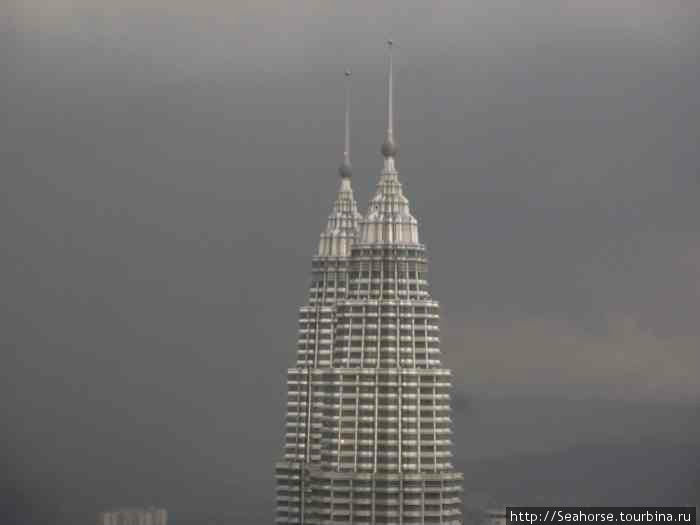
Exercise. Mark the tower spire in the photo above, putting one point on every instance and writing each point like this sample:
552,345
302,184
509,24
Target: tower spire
345,167
389,148
341,230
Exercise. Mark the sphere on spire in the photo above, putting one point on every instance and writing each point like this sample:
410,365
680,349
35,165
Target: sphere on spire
345,170
389,147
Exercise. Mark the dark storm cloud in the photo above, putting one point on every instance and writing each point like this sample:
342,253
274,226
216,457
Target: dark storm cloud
167,170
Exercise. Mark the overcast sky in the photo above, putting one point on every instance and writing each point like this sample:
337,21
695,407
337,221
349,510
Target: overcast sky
168,166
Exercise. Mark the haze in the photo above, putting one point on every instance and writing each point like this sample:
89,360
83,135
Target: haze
167,168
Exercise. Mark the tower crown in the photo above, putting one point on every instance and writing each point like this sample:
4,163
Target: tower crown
389,219
342,227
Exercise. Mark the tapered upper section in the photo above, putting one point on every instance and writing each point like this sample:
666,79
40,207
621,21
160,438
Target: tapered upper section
389,219
343,222
342,227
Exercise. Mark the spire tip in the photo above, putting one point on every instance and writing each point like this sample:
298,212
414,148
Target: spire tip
345,169
389,148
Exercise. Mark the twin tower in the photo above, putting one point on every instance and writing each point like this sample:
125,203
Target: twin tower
368,415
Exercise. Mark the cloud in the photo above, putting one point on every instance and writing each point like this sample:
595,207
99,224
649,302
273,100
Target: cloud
448,21
542,356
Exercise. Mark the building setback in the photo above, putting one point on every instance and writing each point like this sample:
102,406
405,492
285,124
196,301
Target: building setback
368,429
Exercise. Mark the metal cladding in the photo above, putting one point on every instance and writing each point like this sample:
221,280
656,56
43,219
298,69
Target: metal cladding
368,416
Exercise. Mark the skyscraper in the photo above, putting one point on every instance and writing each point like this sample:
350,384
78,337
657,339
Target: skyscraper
368,426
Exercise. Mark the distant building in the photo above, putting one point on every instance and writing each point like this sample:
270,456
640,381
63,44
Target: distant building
149,516
495,516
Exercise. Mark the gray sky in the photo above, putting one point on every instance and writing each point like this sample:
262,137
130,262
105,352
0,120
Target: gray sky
168,167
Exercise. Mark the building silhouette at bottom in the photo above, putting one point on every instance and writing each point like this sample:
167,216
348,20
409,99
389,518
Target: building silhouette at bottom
149,516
